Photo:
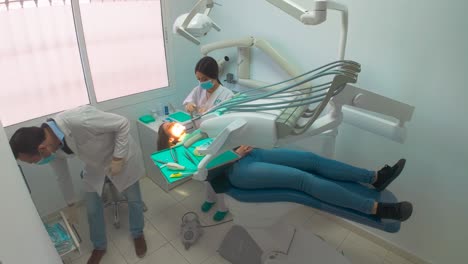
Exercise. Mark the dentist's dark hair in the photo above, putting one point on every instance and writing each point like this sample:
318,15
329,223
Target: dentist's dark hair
209,67
26,140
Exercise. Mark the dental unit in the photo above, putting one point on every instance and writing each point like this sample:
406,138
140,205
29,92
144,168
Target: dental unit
270,115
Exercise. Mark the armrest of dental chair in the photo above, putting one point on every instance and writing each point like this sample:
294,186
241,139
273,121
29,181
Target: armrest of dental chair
287,195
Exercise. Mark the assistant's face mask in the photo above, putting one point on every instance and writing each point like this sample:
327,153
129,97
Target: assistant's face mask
206,85
47,160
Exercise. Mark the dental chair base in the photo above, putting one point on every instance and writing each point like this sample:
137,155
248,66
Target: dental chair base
257,237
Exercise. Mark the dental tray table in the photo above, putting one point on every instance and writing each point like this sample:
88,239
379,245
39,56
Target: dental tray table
148,135
190,168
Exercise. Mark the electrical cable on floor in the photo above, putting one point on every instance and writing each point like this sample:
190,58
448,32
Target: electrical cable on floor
218,223
197,217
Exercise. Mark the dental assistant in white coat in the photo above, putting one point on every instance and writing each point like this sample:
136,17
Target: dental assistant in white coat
209,92
102,141
202,98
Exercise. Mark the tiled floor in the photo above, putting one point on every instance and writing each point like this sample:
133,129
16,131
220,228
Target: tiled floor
162,232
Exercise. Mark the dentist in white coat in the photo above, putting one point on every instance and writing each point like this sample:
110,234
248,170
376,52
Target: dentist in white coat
102,141
202,98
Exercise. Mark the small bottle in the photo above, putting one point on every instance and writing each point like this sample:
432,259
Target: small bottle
154,113
166,110
159,110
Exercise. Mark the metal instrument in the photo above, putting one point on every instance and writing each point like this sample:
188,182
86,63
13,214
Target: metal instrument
174,155
187,155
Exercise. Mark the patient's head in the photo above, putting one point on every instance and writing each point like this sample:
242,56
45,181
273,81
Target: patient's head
169,134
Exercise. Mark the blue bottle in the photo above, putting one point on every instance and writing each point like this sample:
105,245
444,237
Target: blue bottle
166,110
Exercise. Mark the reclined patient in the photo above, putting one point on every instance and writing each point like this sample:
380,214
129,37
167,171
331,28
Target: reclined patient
307,172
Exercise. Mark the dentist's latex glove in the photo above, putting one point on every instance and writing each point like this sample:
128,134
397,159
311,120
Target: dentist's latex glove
116,166
190,107
71,212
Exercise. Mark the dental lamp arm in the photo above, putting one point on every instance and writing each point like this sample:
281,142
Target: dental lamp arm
314,16
219,145
344,25
184,33
238,43
317,15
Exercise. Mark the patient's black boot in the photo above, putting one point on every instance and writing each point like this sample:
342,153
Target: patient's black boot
387,174
398,211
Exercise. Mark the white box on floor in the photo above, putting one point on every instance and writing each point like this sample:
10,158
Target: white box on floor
70,230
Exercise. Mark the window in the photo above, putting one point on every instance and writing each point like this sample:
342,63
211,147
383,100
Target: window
39,62
125,46
41,66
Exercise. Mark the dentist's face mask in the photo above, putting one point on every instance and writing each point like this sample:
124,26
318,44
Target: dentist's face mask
46,160
206,85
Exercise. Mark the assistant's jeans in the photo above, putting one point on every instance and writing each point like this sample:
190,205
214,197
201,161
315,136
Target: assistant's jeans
302,171
97,228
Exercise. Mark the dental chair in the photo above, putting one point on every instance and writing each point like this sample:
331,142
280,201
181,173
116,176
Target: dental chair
282,113
260,236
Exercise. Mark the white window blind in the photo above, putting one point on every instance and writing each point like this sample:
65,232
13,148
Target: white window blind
123,53
40,64
125,46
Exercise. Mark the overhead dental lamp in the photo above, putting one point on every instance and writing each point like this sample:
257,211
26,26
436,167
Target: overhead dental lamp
196,23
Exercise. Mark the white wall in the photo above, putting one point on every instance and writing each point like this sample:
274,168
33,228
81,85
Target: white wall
181,60
21,227
412,51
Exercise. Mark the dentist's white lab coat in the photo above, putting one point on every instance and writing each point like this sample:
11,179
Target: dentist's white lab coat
95,137
198,96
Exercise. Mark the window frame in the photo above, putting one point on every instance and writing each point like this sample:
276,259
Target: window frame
133,98
124,101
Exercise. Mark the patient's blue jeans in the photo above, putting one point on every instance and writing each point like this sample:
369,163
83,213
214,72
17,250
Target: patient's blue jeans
96,222
302,171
